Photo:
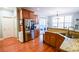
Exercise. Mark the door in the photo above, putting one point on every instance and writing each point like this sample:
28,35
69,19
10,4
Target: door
8,27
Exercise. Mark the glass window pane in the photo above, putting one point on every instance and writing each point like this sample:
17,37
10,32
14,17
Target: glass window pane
68,21
54,21
60,25
67,24
43,21
60,21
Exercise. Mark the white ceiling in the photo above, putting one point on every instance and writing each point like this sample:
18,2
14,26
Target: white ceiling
48,11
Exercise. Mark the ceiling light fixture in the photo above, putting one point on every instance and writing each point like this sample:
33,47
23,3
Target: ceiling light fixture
57,15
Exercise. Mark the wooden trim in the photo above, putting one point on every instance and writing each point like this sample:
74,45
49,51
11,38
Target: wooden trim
23,30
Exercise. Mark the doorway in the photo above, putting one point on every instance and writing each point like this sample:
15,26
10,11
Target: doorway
43,27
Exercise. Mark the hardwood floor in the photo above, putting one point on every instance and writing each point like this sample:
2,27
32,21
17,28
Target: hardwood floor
13,45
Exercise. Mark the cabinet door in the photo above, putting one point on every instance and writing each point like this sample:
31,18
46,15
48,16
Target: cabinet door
35,18
59,41
52,39
25,14
46,38
37,33
31,15
28,36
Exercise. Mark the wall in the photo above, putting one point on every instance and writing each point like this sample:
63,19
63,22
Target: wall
0,29
8,21
74,17
50,21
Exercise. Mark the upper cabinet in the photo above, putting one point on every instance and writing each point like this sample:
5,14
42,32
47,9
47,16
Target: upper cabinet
25,14
31,14
35,18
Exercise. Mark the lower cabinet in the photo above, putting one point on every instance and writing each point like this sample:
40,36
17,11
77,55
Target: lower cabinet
28,36
59,40
53,39
36,33
46,39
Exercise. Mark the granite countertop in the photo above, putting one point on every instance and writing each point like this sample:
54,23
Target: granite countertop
75,30
57,33
71,45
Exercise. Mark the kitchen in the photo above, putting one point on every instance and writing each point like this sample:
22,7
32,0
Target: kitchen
56,26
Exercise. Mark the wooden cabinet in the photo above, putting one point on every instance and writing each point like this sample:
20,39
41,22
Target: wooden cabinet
50,39
28,36
36,32
31,15
25,14
34,18
46,37
59,40
53,39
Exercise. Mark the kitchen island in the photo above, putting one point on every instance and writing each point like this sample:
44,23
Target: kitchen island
53,39
68,44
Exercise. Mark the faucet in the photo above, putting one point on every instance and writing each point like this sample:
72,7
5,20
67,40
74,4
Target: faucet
68,31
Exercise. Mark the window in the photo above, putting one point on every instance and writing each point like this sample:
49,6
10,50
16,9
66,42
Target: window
62,21
68,21
43,21
54,21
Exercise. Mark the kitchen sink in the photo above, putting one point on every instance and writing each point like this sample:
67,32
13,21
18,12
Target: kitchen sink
70,35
